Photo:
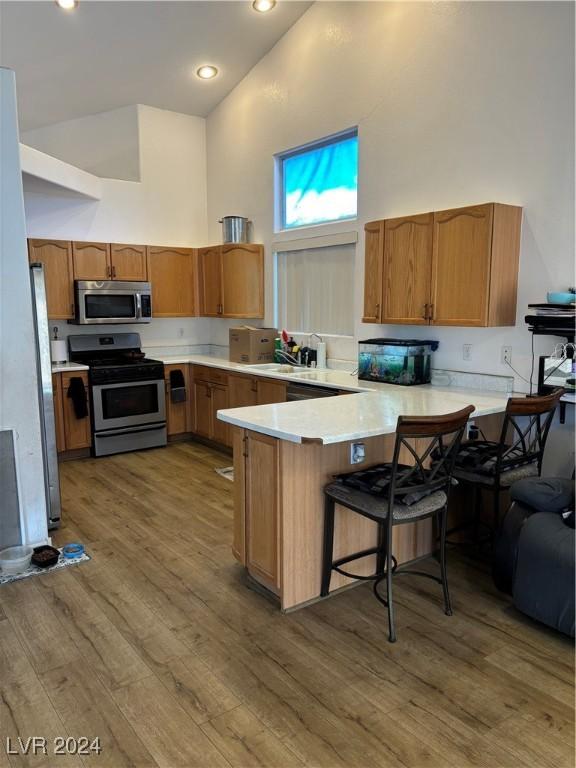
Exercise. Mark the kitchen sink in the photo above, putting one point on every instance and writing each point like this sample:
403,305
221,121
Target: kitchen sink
275,367
312,375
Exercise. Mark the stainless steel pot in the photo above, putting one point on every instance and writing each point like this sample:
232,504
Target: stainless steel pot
234,229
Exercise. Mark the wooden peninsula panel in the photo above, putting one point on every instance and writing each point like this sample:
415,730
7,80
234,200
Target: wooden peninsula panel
306,468
279,511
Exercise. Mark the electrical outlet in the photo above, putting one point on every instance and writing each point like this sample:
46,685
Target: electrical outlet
471,431
466,351
357,453
180,333
506,355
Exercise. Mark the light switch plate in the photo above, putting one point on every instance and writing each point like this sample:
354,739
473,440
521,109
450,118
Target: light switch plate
357,453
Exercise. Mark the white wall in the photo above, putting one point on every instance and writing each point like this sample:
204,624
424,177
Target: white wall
456,103
19,406
167,207
105,144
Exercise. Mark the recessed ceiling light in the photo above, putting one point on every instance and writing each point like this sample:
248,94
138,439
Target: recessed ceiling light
207,72
262,6
67,5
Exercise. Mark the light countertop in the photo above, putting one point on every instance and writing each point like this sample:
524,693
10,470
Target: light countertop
67,367
321,377
366,414
372,410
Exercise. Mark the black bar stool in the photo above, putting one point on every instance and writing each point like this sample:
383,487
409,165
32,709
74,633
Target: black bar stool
395,494
494,466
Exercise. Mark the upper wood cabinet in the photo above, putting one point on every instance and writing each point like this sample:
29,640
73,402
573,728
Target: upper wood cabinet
109,261
456,267
374,244
56,256
242,280
475,265
231,280
91,261
407,269
210,280
219,281
128,262
172,275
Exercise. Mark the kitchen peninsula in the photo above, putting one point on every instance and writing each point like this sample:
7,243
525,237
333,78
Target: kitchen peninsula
285,453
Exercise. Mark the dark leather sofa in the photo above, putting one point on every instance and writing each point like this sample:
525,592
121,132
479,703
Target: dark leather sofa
533,557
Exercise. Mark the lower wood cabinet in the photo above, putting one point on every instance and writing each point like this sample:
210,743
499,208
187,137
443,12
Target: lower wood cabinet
180,415
72,434
58,412
269,391
262,503
220,430
245,390
208,399
210,395
242,390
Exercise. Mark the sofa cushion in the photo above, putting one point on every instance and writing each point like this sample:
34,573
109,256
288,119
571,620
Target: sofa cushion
550,494
544,579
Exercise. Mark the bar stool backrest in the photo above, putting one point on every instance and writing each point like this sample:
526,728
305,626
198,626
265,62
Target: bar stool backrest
444,434
526,426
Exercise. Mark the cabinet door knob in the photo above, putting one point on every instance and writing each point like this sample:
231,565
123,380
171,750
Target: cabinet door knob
377,312
431,315
425,315
113,272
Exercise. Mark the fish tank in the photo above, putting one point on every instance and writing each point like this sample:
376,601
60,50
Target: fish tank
396,361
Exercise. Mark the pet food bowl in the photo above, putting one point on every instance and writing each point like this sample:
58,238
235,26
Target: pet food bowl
15,560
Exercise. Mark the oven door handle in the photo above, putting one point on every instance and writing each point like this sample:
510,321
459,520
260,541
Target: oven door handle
143,428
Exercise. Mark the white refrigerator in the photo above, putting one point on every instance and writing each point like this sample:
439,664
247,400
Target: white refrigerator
25,383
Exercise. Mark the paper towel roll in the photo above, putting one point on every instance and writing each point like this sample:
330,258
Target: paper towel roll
321,355
58,350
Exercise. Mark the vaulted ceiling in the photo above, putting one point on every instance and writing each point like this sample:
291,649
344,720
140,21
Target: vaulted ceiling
104,55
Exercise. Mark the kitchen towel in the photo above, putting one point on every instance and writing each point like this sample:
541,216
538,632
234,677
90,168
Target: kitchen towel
177,386
77,393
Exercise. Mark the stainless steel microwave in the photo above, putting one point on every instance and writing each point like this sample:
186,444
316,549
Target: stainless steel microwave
112,301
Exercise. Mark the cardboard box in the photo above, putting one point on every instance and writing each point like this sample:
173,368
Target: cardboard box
252,345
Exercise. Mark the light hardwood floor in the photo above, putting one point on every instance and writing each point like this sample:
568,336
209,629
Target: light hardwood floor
157,647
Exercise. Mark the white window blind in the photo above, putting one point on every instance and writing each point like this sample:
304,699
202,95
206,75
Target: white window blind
315,290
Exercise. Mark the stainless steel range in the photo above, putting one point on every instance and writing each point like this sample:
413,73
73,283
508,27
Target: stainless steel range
126,392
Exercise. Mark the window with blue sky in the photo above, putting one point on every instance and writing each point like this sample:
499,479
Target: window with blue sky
320,182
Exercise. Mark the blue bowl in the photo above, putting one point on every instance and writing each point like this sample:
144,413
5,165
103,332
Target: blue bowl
561,297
